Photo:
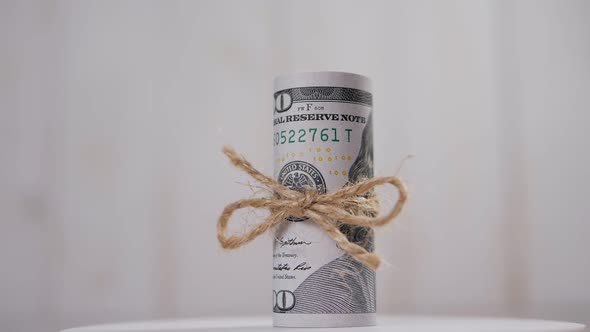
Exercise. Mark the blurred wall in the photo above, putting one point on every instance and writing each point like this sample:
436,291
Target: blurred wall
112,116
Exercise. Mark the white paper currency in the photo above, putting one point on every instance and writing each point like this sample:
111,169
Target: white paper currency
322,140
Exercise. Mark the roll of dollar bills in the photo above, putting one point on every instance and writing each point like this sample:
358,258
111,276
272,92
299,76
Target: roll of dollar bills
323,140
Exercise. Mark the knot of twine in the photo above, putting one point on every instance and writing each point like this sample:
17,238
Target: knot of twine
353,204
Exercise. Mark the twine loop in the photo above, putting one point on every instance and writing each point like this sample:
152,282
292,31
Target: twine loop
354,204
303,203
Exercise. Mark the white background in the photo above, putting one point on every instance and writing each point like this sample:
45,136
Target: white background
113,114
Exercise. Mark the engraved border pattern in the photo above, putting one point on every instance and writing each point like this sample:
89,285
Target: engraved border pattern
324,93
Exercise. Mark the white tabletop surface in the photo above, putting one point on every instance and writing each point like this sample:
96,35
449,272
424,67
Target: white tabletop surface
385,323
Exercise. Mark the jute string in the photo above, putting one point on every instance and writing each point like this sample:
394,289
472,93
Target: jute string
353,204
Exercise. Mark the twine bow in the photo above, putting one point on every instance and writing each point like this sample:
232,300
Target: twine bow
348,205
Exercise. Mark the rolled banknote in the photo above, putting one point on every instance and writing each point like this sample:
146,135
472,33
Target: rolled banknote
323,140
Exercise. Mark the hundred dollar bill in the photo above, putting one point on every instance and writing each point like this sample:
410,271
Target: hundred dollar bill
323,140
